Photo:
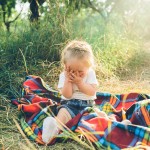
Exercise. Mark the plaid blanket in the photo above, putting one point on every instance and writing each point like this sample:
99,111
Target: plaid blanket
39,100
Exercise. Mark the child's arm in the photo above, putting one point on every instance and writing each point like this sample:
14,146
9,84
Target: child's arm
88,89
66,89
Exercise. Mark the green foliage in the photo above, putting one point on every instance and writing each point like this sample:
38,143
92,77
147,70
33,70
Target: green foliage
36,45
8,6
6,12
32,49
25,50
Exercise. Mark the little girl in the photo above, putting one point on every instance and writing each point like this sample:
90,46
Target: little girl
77,84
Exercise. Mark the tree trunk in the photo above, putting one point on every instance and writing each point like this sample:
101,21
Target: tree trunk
34,10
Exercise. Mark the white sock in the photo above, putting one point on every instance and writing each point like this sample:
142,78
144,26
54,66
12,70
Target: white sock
50,129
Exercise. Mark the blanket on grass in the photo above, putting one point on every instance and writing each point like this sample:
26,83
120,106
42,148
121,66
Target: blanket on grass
39,100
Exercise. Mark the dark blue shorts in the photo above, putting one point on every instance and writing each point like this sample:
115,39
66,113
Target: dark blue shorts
74,106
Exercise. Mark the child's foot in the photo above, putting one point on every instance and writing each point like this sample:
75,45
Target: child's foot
112,117
100,113
50,129
126,122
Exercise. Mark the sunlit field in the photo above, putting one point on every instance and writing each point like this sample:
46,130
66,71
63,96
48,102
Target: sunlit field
118,32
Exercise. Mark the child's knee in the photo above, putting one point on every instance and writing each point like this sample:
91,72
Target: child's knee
63,115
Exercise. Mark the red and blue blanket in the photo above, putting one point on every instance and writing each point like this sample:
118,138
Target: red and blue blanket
39,100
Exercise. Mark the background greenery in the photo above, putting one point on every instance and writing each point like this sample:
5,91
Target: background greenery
31,42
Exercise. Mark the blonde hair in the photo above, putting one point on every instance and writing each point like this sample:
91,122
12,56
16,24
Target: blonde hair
78,49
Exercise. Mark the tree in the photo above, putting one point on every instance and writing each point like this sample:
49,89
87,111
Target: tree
7,7
104,8
34,8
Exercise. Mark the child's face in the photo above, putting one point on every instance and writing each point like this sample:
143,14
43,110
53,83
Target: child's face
78,65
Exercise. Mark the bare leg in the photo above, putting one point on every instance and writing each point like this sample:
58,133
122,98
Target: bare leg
51,125
63,115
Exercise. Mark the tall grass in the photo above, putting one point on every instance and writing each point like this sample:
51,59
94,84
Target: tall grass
32,50
112,45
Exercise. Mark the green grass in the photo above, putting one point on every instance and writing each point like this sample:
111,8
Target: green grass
32,50
36,50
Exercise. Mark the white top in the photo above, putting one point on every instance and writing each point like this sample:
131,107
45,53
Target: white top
90,78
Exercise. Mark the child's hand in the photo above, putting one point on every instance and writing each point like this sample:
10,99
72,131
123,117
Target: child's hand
68,71
75,77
